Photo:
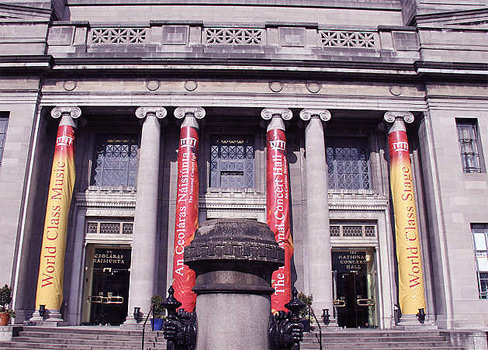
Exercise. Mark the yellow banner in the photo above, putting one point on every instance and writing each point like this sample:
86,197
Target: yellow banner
411,284
51,269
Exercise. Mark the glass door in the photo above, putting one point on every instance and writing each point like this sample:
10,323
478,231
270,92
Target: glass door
354,288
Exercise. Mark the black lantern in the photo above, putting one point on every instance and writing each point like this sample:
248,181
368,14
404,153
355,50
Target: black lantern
421,316
42,310
325,316
137,314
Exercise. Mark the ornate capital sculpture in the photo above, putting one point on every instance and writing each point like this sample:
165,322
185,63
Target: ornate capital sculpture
284,113
159,112
307,113
198,112
73,111
390,116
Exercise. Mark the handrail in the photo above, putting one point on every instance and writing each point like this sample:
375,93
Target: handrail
310,310
151,310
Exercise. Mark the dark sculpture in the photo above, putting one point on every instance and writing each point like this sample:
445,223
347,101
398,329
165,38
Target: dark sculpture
285,330
180,327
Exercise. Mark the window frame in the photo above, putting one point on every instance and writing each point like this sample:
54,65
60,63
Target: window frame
476,150
345,141
481,229
4,121
104,137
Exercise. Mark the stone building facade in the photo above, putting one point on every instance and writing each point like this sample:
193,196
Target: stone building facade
336,66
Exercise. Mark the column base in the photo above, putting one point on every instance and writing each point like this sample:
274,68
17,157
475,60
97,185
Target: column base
131,323
52,318
410,322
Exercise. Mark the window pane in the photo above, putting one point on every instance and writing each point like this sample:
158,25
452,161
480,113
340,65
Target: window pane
3,134
348,163
480,241
115,161
232,162
469,145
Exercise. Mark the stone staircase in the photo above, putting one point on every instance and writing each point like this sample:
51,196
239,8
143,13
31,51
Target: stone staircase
114,338
379,340
84,338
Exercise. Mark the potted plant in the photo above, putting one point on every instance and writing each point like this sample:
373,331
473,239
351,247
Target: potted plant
5,312
305,313
159,313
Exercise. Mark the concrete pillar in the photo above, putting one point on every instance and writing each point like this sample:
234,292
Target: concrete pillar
318,233
143,274
233,260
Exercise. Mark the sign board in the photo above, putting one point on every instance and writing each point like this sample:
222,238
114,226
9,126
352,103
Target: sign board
349,261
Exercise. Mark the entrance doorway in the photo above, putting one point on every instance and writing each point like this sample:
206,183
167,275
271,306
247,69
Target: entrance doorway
106,285
354,288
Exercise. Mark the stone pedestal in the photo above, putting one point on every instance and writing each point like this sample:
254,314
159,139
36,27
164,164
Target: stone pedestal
233,260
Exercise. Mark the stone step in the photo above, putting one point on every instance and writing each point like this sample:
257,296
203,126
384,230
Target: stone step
86,336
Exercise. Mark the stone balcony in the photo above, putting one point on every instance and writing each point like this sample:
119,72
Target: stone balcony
185,40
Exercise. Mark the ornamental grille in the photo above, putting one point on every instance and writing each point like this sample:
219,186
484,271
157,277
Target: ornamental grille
348,163
119,35
355,231
234,36
102,227
354,39
232,162
115,161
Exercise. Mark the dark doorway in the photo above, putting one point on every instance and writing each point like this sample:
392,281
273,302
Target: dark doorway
109,291
354,295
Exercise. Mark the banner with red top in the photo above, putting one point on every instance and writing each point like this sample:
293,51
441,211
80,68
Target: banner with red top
51,269
186,221
278,210
411,289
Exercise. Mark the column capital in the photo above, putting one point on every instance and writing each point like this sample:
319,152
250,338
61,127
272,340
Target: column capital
73,111
284,113
181,112
390,116
159,112
307,113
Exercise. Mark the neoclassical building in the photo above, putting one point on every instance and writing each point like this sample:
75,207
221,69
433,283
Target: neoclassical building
340,76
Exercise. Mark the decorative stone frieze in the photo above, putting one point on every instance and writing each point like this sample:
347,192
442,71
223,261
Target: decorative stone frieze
349,39
234,36
100,36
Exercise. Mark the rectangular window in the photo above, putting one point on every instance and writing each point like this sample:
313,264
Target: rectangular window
470,147
3,133
480,235
232,161
348,163
115,162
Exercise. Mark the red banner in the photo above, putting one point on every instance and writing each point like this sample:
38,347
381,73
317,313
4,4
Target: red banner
277,216
411,290
51,269
186,221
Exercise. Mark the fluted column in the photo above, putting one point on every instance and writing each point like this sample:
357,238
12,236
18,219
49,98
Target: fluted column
411,293
318,233
49,292
278,201
186,214
143,274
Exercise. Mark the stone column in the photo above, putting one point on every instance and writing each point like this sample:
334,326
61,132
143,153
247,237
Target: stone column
318,248
278,201
143,274
186,213
411,293
49,292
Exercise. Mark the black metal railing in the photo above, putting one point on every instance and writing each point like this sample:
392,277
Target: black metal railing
311,312
151,311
